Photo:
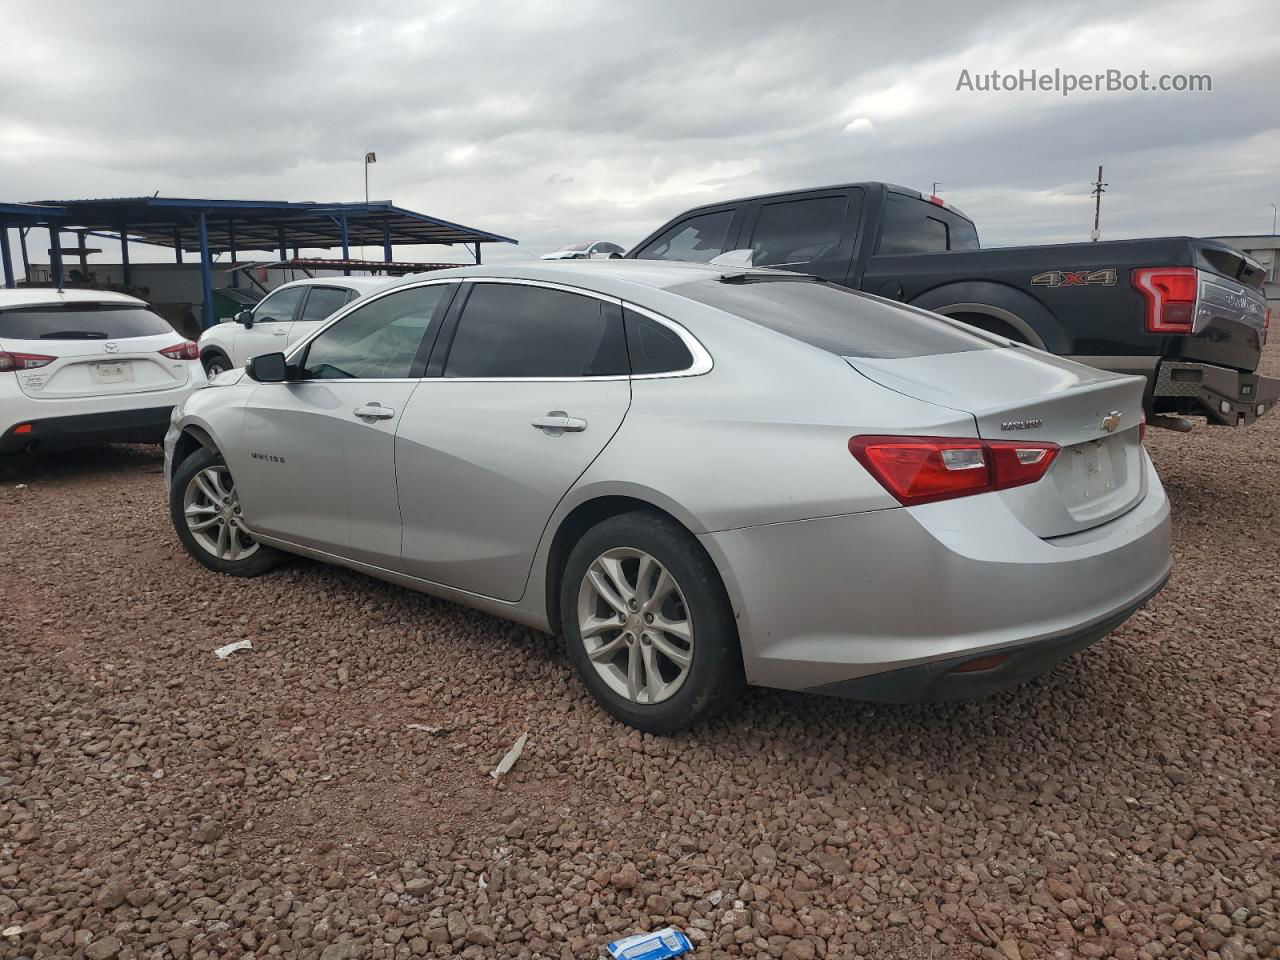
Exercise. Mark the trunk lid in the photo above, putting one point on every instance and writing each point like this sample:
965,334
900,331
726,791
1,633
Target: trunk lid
99,368
1017,393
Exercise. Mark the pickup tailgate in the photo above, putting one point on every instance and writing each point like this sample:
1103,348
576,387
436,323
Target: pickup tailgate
1229,314
1016,393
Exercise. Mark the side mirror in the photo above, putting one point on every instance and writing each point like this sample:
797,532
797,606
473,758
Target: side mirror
268,368
245,317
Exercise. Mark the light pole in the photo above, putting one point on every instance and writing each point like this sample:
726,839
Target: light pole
1273,219
369,158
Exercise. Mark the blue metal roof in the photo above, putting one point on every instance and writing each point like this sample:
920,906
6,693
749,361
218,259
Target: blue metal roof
248,224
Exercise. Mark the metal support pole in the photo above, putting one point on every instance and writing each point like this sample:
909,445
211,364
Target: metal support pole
284,244
231,234
177,244
477,245
6,258
386,241
26,260
124,254
346,250
55,256
206,275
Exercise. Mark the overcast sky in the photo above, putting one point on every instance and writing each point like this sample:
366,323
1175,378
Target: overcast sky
559,122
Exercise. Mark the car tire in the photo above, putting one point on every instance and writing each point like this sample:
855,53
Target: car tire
205,512
658,585
215,362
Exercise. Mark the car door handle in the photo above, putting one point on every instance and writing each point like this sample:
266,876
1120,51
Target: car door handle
281,332
374,411
557,422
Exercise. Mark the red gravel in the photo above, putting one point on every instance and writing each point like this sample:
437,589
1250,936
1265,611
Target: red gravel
157,802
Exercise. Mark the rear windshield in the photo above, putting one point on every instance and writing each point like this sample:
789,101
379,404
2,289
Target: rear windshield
834,318
81,321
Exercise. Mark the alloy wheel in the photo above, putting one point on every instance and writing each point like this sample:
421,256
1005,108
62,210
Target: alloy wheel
635,625
212,510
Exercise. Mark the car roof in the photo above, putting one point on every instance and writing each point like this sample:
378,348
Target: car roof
601,276
44,296
353,283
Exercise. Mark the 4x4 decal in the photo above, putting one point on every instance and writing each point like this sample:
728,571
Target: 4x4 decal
1075,278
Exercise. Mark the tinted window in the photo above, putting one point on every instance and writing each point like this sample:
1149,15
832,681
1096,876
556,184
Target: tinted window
699,239
279,305
797,232
513,330
81,321
323,302
378,341
654,348
918,226
834,318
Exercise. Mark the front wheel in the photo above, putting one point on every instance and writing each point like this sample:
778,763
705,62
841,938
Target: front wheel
205,509
648,625
215,362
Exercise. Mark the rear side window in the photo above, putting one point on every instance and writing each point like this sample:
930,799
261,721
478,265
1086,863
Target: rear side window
81,321
798,232
834,318
696,239
917,226
654,348
521,331
323,302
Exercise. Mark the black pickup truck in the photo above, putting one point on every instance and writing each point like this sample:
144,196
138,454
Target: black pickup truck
1187,314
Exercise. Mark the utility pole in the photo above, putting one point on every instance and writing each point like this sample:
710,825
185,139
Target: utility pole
1098,189
369,158
935,188
1273,219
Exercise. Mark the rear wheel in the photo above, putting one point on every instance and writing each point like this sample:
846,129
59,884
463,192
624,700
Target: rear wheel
215,362
206,514
648,625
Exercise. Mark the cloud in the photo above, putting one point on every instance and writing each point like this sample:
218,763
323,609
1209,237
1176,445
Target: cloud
553,122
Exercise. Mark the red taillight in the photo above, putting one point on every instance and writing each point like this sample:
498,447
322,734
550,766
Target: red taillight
1266,326
1171,297
23,361
186,350
924,469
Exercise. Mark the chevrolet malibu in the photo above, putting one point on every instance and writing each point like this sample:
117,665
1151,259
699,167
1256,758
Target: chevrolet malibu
700,476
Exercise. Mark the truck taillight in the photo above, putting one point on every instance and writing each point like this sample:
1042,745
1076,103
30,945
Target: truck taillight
23,361
186,350
1142,427
925,469
1266,326
1171,297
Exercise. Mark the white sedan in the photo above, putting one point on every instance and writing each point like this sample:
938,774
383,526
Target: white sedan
88,366
282,318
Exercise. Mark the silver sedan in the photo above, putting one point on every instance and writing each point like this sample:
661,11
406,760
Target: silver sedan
701,476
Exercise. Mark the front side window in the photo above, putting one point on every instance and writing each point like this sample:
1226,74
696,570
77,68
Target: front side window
798,232
698,239
378,341
323,302
278,306
518,331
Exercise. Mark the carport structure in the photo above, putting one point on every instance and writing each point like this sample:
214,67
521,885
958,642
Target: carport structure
211,227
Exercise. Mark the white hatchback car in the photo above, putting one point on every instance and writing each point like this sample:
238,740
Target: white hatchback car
88,366
282,318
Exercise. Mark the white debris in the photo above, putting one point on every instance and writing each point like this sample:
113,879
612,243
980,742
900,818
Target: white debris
428,728
13,931
715,896
223,652
509,761
20,486
484,884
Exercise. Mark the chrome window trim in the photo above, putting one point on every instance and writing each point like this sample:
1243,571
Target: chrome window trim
702,362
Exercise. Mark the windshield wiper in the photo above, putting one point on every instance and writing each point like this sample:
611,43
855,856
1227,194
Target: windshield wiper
781,276
74,335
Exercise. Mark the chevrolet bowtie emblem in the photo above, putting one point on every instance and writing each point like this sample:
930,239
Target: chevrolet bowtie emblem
1111,421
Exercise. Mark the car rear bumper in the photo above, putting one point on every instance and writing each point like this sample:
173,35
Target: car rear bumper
145,425
1227,397
826,602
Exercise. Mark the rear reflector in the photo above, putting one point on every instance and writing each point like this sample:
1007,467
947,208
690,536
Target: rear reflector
1171,297
925,469
23,361
23,428
186,350
981,663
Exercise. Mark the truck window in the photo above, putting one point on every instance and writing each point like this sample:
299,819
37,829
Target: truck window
794,233
698,239
912,225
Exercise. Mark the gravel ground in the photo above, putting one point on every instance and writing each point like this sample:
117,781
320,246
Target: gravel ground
327,794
